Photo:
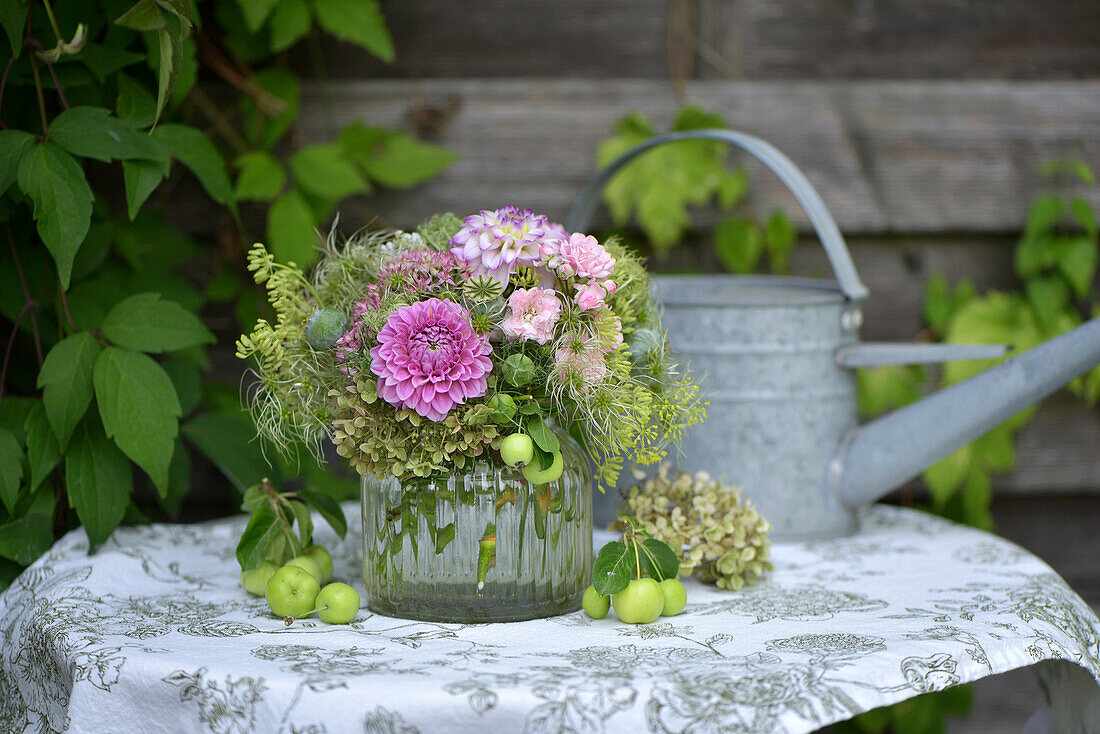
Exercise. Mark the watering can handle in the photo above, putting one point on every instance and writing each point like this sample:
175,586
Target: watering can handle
824,225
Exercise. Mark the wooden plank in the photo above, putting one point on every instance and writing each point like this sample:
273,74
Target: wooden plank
888,157
899,39
495,38
748,39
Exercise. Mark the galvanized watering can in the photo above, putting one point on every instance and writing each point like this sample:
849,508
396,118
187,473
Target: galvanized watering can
778,355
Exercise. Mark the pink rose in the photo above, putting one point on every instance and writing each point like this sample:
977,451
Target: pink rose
590,296
532,314
585,257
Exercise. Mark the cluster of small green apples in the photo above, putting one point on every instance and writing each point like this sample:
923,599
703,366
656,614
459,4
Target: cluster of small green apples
637,576
641,602
518,450
295,591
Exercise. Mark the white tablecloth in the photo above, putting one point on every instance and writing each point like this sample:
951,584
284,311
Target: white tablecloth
154,634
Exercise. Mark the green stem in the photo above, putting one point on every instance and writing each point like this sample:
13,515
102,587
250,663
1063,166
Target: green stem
41,97
53,21
637,557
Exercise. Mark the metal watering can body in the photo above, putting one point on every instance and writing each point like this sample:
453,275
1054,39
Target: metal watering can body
778,355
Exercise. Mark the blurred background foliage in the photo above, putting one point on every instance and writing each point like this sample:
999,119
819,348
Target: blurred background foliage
113,115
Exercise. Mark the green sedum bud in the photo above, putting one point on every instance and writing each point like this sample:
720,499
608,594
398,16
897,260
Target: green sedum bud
325,327
503,407
518,370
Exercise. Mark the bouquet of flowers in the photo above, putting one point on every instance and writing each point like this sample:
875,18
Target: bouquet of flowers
417,352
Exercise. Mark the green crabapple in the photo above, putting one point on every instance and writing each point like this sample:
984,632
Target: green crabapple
517,449
594,605
324,560
675,596
292,592
639,603
255,581
337,604
534,475
307,564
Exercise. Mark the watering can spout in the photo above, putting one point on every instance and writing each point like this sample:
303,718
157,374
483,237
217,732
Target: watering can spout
890,450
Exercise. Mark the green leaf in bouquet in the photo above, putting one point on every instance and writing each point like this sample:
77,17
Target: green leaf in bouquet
43,453
145,323
611,571
261,177
326,171
328,508
139,408
230,442
658,559
262,527
99,481
92,132
11,470
291,232
305,522
66,382
358,21
194,149
13,146
62,199
541,434
289,23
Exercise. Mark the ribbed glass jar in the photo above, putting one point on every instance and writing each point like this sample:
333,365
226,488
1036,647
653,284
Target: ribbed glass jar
429,550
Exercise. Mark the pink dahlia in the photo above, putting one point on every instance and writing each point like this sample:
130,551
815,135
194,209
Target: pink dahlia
586,257
429,359
532,314
495,243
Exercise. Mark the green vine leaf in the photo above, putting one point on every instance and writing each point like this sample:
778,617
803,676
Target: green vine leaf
14,144
145,323
144,15
289,23
611,571
104,60
264,130
92,132
135,104
139,408
43,452
325,171
13,17
66,382
290,230
98,480
255,12
230,442
738,245
391,158
11,470
358,21
261,177
62,200
141,178
192,148
27,538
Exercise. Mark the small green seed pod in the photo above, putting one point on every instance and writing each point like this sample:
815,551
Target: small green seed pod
325,327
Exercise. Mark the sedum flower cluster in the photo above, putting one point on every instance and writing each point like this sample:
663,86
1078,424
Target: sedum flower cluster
722,539
418,352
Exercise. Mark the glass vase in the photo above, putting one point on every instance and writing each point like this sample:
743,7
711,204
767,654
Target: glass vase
483,545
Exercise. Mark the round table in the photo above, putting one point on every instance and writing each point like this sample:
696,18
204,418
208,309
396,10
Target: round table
154,634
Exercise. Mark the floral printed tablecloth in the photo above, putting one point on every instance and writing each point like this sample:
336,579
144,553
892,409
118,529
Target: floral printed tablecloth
153,633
